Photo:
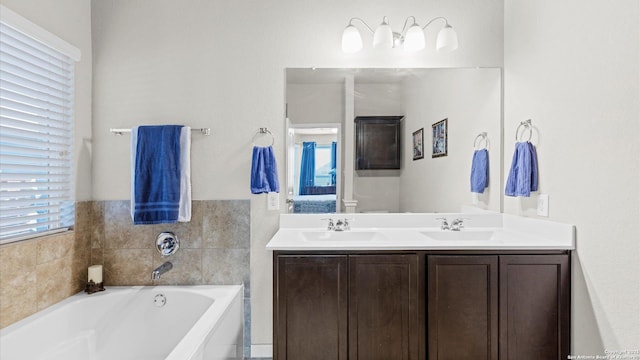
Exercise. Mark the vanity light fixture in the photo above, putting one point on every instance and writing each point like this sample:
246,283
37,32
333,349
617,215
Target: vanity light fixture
411,40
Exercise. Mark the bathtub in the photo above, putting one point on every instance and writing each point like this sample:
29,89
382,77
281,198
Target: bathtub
127,323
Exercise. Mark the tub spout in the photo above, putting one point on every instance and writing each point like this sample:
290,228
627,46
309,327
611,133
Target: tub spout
155,275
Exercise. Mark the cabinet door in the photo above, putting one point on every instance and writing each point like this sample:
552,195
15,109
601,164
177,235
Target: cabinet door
383,307
310,314
534,307
462,307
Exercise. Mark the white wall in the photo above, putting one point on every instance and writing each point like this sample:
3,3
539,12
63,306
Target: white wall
315,103
377,190
573,67
70,20
221,64
470,100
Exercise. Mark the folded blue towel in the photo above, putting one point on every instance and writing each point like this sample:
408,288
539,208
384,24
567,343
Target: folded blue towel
264,171
480,171
156,174
523,176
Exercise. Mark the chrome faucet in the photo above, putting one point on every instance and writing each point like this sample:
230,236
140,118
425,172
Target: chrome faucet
155,275
457,224
444,225
340,225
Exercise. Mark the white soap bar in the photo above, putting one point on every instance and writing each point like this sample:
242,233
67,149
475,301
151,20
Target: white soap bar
95,273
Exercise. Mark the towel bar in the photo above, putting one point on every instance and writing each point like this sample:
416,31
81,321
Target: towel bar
204,131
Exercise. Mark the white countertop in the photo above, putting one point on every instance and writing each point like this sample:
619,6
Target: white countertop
482,231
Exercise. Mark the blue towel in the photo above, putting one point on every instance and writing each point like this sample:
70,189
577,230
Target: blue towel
523,176
156,174
480,171
264,171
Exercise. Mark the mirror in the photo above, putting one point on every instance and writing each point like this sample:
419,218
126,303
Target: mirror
468,98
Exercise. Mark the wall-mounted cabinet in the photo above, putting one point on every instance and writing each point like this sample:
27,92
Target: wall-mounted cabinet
378,142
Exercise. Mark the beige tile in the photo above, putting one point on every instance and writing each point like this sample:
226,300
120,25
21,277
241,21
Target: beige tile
187,268
55,247
18,312
17,288
18,257
97,224
225,266
226,224
128,266
119,231
54,281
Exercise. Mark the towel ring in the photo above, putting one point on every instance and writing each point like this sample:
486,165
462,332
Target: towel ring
481,136
527,126
263,131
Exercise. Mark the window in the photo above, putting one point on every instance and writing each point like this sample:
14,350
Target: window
36,130
323,166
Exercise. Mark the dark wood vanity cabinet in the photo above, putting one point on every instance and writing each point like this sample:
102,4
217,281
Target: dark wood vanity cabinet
377,299
423,305
506,306
462,307
310,307
383,307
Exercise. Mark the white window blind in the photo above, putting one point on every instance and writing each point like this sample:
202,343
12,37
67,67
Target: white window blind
36,136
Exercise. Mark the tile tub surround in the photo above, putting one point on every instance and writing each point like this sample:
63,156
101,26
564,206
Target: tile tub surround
37,273
214,250
214,247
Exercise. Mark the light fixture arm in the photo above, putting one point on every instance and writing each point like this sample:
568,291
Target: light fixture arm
446,23
362,21
404,27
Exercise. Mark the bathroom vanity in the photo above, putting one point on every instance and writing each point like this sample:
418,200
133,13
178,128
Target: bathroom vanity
398,286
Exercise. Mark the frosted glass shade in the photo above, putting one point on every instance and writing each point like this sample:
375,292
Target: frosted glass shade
351,40
447,39
414,39
383,36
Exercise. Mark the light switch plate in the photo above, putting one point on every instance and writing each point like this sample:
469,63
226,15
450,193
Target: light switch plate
543,205
273,201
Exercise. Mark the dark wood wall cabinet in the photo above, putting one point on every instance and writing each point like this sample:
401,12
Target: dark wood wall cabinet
378,142
421,305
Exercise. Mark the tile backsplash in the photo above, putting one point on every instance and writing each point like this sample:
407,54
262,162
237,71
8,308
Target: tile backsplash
214,250
214,245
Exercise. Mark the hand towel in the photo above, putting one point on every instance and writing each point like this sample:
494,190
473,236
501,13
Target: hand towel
264,171
480,171
160,182
523,175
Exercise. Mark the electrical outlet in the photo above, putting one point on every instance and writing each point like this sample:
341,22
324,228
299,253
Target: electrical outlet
543,205
273,201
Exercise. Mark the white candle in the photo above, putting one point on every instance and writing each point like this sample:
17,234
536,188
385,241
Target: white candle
95,273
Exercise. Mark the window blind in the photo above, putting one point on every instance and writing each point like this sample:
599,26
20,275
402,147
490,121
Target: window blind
36,136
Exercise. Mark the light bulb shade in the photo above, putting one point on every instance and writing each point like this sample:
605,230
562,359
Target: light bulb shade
383,36
414,39
447,39
351,40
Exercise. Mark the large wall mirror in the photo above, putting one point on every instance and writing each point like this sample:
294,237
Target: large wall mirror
322,105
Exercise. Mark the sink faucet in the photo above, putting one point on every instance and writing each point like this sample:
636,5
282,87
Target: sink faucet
456,224
444,225
155,275
340,225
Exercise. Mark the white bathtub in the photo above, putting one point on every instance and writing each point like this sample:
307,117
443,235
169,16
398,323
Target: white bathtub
195,323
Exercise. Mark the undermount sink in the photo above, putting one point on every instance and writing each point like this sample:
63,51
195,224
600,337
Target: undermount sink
357,236
473,235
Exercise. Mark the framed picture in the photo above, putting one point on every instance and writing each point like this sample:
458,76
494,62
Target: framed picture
439,139
418,144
